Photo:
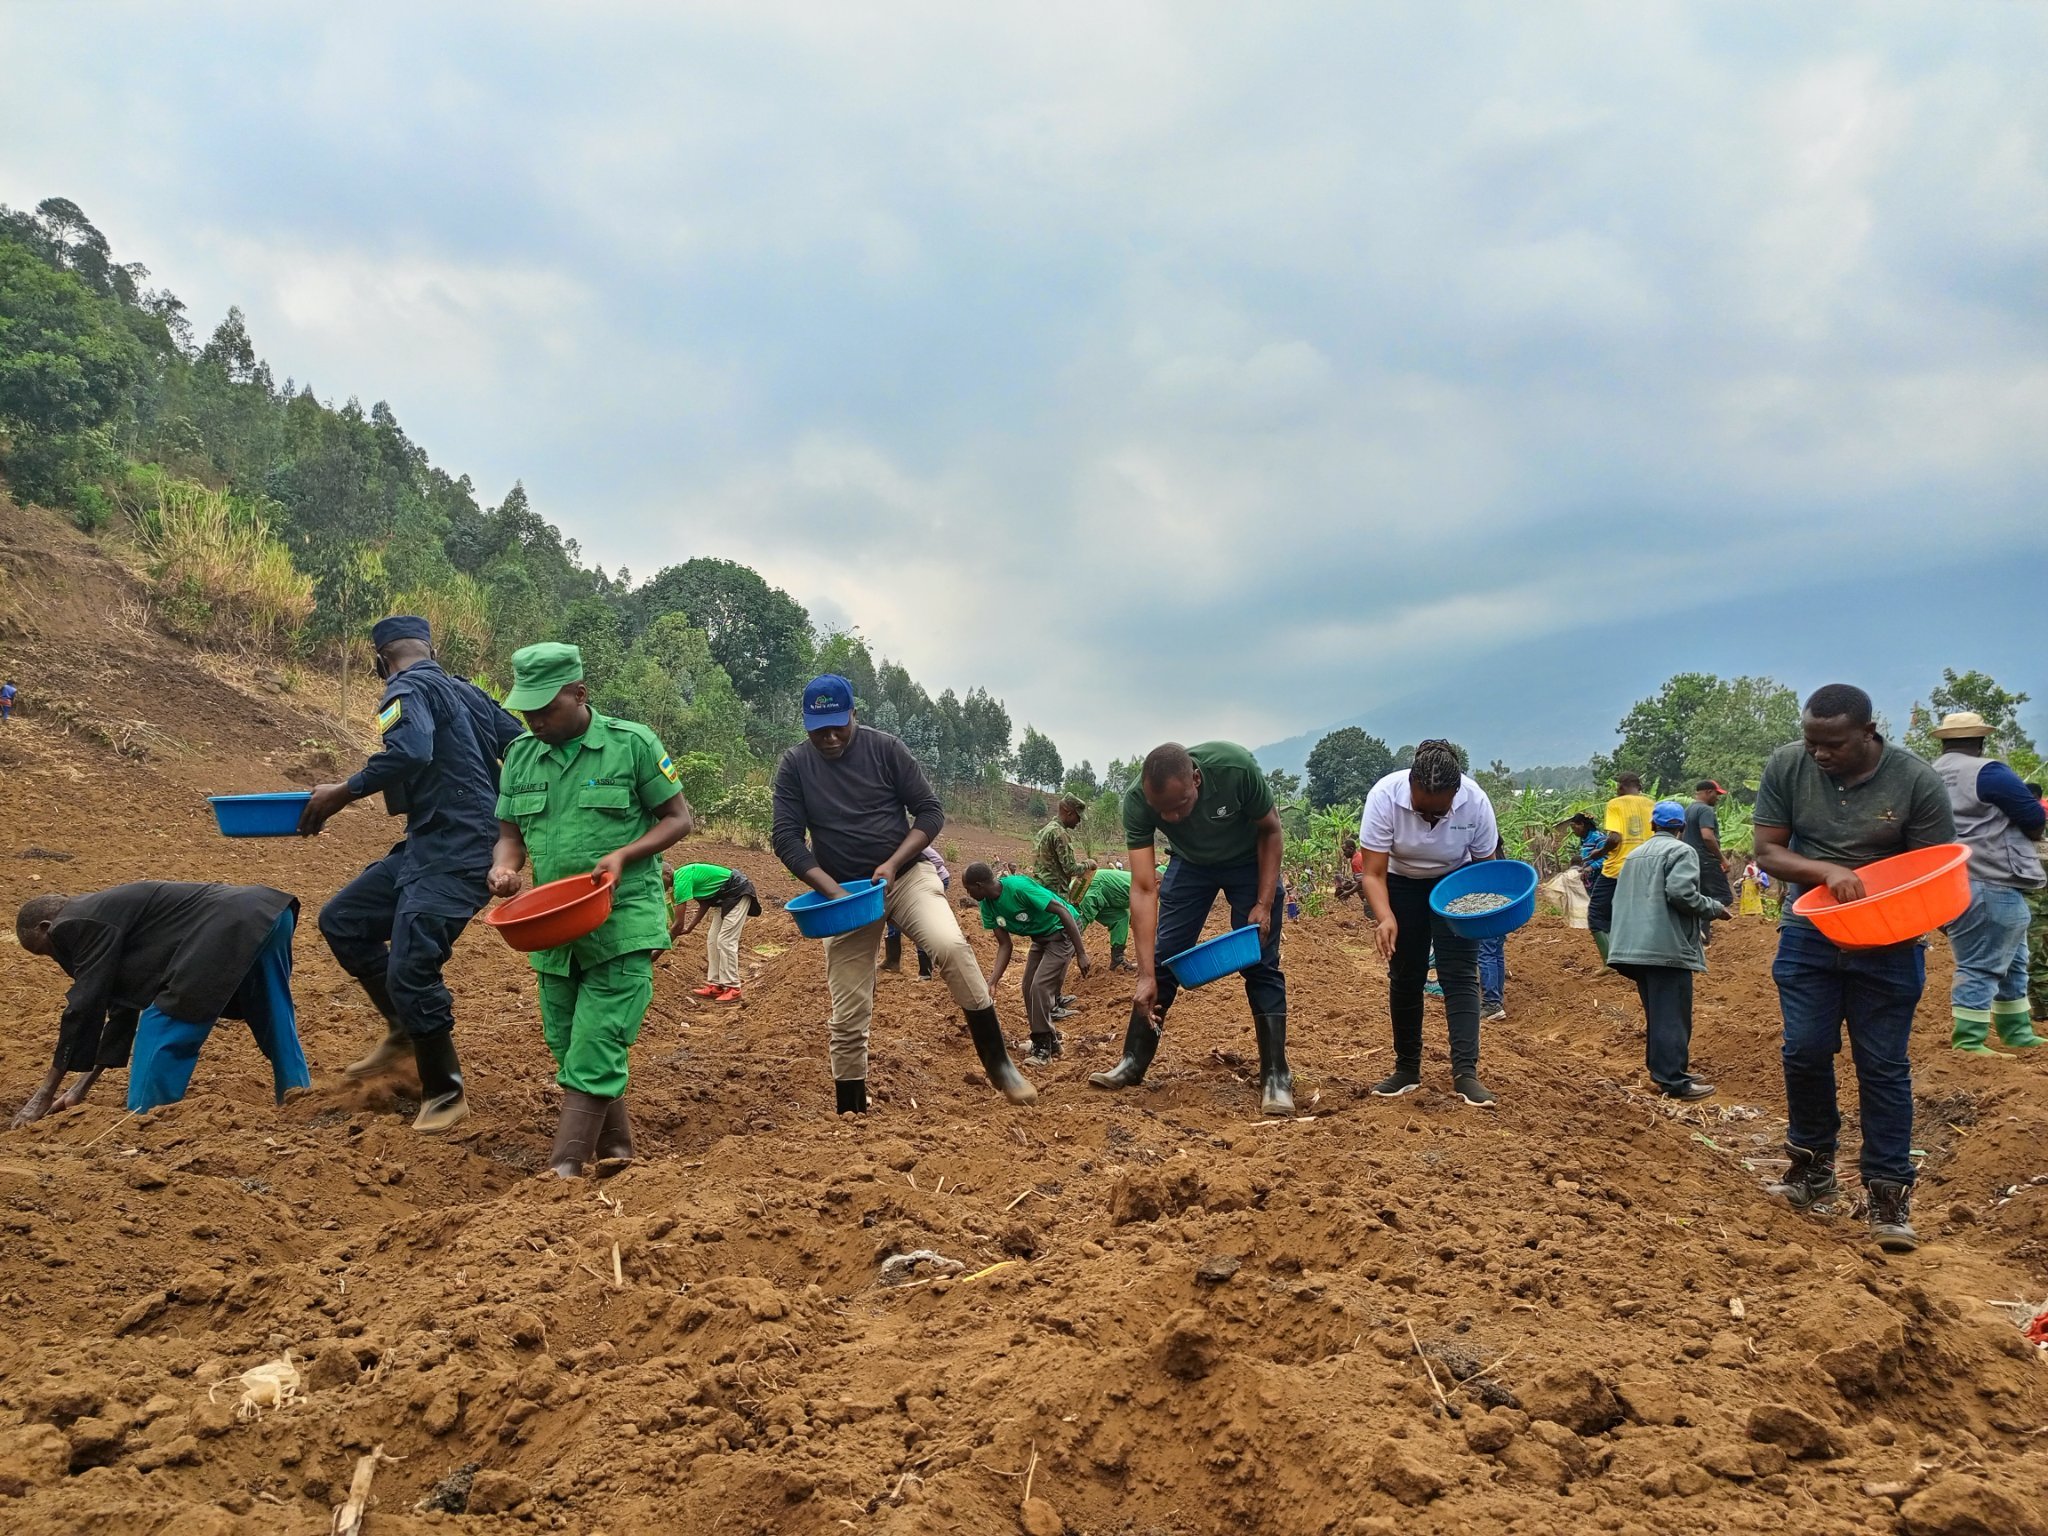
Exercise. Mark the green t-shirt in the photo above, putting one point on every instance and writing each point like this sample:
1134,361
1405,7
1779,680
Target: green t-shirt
1902,805
1223,827
1024,906
1108,894
694,882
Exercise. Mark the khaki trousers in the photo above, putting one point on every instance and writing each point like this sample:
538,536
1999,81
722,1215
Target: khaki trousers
916,903
722,945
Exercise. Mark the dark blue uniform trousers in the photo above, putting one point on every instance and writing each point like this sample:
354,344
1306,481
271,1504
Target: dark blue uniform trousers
1187,892
395,939
166,1049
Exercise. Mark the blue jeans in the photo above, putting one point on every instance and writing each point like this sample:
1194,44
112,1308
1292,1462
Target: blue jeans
1187,892
1873,992
166,1049
1990,941
1493,974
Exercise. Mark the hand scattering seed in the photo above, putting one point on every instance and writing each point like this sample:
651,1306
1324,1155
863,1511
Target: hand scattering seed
1475,904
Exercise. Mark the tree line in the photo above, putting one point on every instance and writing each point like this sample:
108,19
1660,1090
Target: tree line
272,518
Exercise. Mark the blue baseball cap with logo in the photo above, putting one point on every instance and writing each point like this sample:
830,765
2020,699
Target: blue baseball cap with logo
1667,813
828,700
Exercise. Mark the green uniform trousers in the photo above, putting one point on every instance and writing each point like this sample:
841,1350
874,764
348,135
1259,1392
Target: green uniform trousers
2037,954
591,1017
1119,926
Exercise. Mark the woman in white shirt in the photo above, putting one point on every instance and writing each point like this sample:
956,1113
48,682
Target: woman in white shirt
1420,824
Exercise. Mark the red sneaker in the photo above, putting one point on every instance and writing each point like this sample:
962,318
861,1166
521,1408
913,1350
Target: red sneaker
709,989
727,995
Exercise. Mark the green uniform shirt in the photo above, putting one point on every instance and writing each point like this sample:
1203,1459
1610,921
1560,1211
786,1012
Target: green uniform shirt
1223,827
694,882
580,801
1024,906
1902,805
1108,894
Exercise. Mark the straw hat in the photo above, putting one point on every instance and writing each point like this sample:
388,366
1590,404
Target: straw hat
1965,723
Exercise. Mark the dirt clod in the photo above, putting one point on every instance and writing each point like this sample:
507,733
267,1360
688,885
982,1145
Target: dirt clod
1797,1432
1968,1506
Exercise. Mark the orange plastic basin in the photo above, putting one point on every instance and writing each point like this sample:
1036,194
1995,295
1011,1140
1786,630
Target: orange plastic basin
551,915
1910,895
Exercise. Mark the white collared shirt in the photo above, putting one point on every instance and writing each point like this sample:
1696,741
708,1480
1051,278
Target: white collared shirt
1391,825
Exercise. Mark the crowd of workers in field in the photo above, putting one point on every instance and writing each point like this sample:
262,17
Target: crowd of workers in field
571,792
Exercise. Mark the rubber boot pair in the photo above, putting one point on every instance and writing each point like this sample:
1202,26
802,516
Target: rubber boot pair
987,1033
1972,1025
443,1104
1141,1043
591,1128
2015,1025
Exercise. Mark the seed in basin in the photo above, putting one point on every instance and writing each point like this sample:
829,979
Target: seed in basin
1477,904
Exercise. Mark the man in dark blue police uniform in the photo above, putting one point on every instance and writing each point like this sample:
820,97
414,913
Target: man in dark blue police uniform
394,925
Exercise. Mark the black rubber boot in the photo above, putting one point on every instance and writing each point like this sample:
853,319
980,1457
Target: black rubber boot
576,1133
443,1105
892,952
1891,1208
853,1097
396,1044
987,1032
924,966
1810,1180
1276,1083
614,1147
1141,1040
1117,962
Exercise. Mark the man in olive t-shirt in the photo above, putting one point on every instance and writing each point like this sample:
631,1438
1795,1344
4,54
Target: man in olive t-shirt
1838,799
1215,809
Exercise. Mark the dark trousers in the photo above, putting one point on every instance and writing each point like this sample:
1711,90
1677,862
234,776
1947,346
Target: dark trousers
396,938
1416,929
167,1049
1187,892
1873,992
1666,991
1600,905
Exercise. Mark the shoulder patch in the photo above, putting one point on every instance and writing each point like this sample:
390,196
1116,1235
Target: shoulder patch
390,715
668,768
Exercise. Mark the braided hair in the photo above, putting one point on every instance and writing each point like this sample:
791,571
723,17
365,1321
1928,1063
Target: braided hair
1436,768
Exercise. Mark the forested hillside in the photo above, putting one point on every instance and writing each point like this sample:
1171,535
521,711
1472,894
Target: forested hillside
270,519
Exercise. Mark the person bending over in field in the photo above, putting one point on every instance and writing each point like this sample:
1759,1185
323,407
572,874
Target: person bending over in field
1216,810
152,966
1015,904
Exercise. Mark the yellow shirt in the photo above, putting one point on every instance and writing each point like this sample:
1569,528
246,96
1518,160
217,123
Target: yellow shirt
1630,816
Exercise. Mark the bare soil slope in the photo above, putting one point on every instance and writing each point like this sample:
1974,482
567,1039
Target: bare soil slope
1172,1318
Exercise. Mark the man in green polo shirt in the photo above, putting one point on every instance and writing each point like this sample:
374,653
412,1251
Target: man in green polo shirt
1106,899
1215,809
1014,904
584,794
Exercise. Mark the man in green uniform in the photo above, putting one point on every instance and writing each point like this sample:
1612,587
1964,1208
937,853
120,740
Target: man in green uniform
1014,904
1053,864
1106,899
584,794
1215,808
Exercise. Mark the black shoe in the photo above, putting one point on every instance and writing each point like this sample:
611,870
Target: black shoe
576,1133
1059,1014
987,1033
1890,1207
442,1103
1276,1083
1472,1091
1141,1040
853,1097
1065,1000
1693,1089
1401,1080
1045,1049
1809,1181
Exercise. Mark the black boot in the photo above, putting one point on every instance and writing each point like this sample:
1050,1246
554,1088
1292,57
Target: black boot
1141,1040
1891,1207
1276,1083
576,1133
396,1044
443,1105
924,966
1117,962
614,1146
853,1097
987,1032
1809,1181
892,952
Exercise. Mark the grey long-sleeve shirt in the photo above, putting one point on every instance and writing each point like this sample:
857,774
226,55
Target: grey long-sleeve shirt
855,811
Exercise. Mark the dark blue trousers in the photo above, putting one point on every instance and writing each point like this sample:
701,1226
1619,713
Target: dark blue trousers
166,1049
1873,992
395,939
1187,893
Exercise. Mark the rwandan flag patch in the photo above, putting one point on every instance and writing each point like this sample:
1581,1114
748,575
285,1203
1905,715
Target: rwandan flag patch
390,715
668,769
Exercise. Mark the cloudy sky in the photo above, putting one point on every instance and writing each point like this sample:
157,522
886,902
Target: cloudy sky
1171,370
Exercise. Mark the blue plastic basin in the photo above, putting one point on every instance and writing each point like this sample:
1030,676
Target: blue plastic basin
1496,877
259,815
1215,958
819,917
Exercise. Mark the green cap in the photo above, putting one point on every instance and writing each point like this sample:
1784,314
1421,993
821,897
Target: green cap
539,672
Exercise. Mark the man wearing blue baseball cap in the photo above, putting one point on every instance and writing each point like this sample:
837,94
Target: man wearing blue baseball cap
394,926
1659,942
851,803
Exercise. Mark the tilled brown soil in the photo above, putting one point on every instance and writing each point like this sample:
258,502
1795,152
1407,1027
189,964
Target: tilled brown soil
1170,1316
